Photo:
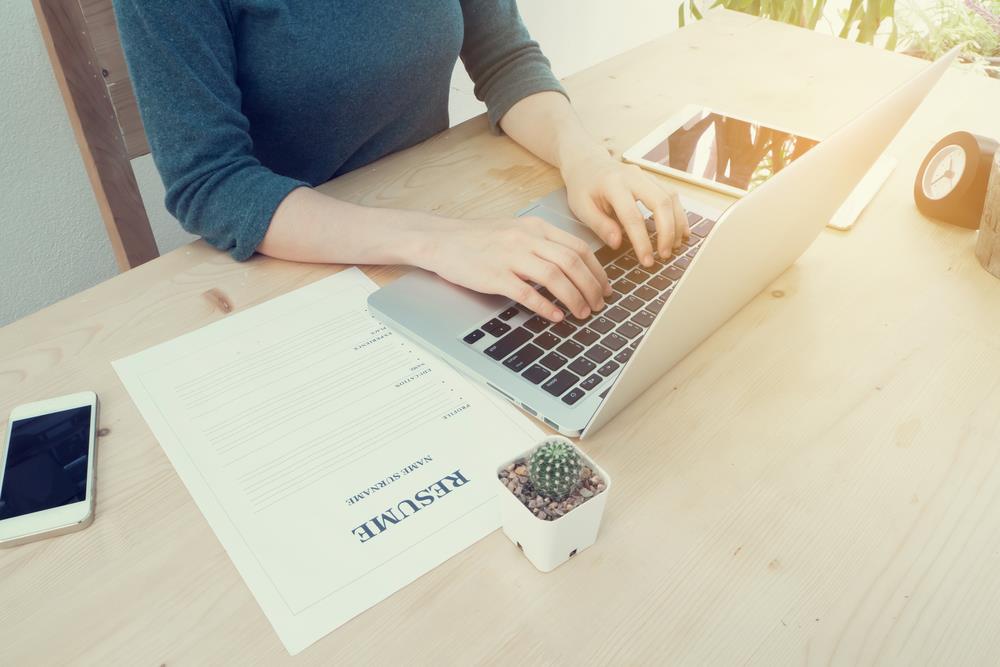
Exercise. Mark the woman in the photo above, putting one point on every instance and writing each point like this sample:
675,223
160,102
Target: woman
249,103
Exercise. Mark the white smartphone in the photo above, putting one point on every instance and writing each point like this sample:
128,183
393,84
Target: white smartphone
47,476
718,150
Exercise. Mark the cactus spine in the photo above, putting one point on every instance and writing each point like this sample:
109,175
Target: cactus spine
554,469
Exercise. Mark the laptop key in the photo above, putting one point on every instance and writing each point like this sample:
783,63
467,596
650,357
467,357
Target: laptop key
582,366
598,354
526,355
608,368
560,382
693,218
682,262
607,254
614,342
591,382
553,361
613,297
645,292
614,272
624,355
508,343
624,286
643,318
546,341
655,305
658,282
628,261
569,349
637,276
495,327
472,337
632,303
601,324
586,336
615,313
634,344
536,323
563,329
673,272
573,395
629,330
536,374
509,313
702,228
692,252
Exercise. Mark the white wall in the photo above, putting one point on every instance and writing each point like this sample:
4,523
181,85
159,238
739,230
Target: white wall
52,240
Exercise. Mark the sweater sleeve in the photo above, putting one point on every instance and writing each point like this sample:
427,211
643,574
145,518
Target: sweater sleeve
182,62
505,64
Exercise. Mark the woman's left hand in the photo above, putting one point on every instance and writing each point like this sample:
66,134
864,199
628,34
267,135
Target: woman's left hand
602,193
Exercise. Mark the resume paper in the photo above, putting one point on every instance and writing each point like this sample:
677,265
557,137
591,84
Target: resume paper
336,461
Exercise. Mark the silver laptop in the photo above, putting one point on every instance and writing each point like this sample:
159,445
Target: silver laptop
578,374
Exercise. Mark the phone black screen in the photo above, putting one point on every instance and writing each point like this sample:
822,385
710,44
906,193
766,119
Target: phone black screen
46,464
728,150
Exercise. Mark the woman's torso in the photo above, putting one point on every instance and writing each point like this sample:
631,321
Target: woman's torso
329,86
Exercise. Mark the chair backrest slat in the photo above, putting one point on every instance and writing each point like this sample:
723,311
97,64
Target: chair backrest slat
99,17
82,40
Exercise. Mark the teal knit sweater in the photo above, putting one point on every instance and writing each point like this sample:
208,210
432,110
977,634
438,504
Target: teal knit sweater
245,100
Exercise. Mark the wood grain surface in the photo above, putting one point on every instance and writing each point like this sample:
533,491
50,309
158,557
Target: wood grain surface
817,483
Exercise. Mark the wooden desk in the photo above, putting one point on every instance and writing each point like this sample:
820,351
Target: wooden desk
818,482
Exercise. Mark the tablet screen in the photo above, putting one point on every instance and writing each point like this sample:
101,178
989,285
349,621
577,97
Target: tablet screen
728,150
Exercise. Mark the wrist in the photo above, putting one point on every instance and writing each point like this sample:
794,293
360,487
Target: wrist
419,240
580,150
573,143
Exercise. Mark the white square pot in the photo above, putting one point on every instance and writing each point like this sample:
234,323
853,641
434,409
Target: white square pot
548,544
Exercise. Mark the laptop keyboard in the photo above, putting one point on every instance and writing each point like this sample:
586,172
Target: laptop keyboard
571,358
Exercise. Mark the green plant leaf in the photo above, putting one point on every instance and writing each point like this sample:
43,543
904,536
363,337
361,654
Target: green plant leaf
790,14
893,37
869,22
852,12
816,14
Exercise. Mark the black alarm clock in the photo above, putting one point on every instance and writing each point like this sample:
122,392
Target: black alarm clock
951,181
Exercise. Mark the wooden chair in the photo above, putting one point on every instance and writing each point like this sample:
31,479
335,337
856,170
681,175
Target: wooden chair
82,40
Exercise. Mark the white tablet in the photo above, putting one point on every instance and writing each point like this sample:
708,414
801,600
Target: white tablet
718,150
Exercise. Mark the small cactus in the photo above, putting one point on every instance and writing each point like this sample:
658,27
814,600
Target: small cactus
554,469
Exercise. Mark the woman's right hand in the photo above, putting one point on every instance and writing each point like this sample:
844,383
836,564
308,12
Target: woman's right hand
506,256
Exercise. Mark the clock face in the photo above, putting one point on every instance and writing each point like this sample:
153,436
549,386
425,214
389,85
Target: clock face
944,171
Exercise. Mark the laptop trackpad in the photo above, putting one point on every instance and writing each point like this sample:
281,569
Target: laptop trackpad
555,209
